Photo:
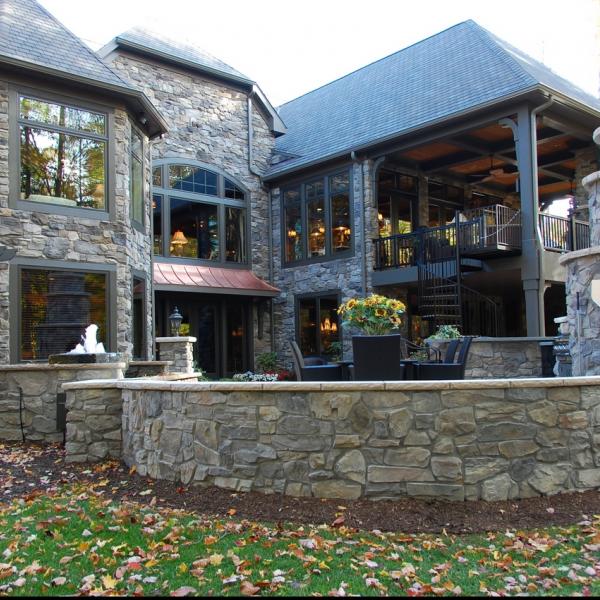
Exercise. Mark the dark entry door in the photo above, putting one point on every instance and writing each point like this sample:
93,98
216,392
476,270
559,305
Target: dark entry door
221,326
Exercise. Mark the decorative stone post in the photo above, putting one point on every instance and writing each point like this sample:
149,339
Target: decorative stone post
583,278
179,351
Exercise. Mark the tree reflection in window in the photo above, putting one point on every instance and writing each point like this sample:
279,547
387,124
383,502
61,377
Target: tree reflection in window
62,154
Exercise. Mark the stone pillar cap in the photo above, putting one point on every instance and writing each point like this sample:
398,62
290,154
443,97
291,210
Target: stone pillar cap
175,339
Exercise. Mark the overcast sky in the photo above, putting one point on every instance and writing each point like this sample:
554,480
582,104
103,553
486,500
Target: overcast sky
290,48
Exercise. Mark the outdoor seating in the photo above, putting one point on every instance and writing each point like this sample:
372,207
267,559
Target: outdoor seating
314,368
447,369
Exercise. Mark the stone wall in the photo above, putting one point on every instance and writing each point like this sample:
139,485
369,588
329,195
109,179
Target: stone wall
208,122
491,358
78,240
34,388
491,440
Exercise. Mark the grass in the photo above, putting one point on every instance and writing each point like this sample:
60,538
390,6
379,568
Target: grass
78,542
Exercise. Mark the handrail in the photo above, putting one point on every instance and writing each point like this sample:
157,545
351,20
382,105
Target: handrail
563,234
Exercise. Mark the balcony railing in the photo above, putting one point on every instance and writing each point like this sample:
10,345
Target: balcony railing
485,231
560,234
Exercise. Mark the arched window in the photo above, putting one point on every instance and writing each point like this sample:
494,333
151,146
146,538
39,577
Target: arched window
199,213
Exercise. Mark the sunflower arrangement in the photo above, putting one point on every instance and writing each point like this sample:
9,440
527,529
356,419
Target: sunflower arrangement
375,315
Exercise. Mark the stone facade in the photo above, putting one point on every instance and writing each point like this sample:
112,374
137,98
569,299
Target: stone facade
178,351
494,358
208,122
28,397
583,268
491,440
77,240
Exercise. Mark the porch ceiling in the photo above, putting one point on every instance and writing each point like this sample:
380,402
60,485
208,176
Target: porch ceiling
485,158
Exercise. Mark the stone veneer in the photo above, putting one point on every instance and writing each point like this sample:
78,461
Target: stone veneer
35,387
81,239
486,439
491,358
208,122
583,267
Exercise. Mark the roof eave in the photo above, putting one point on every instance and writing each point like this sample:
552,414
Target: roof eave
276,123
400,134
155,124
142,49
570,101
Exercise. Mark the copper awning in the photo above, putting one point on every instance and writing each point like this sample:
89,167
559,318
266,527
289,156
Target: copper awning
209,280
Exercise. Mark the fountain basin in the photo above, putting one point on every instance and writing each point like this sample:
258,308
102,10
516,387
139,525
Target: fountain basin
67,358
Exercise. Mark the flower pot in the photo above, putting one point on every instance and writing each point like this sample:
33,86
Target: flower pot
377,357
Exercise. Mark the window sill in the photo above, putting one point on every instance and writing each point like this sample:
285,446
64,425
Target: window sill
59,209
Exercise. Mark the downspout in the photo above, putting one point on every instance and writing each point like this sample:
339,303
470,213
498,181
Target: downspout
269,213
359,164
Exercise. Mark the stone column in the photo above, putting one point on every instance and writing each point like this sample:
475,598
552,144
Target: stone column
583,275
179,351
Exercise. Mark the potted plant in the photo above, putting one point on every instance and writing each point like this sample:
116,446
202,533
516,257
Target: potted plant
377,351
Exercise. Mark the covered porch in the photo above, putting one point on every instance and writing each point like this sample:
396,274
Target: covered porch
493,193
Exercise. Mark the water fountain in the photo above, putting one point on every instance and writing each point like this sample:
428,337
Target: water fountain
89,350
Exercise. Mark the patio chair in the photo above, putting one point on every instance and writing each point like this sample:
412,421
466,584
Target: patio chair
313,368
377,358
447,370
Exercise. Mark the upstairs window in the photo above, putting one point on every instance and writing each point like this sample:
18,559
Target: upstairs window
317,219
62,154
198,214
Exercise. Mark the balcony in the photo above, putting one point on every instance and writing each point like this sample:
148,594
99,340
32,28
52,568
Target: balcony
482,233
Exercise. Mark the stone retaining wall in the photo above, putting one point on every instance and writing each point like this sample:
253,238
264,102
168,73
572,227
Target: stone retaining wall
34,387
491,358
491,440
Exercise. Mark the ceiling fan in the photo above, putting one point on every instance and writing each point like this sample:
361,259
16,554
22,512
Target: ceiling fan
493,174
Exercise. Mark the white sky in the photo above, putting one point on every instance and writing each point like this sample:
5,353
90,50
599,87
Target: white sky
290,48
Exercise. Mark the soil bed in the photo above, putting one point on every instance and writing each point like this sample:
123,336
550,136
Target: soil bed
27,469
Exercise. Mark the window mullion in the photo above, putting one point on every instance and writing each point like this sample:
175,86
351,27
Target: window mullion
328,218
166,226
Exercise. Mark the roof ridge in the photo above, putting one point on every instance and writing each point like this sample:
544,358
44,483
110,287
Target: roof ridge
417,43
79,41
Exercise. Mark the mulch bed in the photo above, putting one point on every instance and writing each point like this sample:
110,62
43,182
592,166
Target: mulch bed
30,468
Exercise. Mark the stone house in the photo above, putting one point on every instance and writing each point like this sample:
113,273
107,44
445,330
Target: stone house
428,175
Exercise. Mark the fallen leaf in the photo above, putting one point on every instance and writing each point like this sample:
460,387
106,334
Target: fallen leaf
248,589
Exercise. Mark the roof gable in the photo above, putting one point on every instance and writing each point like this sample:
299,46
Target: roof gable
457,70
156,45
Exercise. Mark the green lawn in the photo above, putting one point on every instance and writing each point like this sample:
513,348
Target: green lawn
77,542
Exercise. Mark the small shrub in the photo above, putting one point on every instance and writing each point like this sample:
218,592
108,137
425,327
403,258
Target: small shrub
267,362
445,332
250,376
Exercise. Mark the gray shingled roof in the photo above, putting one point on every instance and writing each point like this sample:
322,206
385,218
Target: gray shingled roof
156,44
30,34
451,72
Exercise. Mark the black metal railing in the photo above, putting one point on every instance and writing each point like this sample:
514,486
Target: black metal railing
562,234
493,226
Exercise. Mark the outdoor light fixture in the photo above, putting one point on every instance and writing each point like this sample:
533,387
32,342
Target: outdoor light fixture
175,320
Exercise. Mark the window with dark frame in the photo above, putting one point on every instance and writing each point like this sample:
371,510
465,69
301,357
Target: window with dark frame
201,213
139,318
318,324
317,219
55,308
62,154
136,177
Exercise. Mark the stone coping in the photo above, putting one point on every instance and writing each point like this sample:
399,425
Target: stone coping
576,254
331,386
175,339
63,367
592,178
150,363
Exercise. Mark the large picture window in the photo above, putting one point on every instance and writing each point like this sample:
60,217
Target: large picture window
56,306
198,214
318,325
62,154
317,219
